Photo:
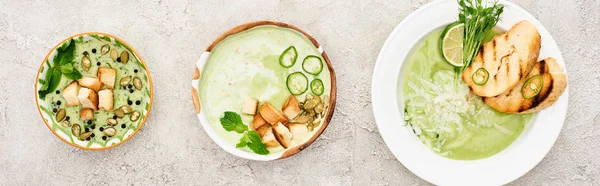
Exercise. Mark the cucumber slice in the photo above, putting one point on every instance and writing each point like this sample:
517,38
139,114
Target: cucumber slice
297,83
312,65
316,86
288,57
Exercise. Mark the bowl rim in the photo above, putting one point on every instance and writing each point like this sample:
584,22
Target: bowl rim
147,71
286,152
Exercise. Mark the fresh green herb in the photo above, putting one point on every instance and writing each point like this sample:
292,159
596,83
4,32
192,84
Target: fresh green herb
479,20
232,121
253,141
62,65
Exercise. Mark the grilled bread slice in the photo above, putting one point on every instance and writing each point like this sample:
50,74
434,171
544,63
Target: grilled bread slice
554,84
507,58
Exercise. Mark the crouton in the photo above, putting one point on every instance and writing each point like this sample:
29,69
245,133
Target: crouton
262,130
257,122
283,135
299,131
271,115
86,114
70,94
105,99
291,108
269,138
91,83
88,98
107,76
249,106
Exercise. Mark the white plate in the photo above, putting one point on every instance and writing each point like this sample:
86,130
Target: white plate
513,162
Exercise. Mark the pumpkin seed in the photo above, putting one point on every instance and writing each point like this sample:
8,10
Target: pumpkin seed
135,116
308,97
319,108
325,100
76,129
302,119
124,57
311,112
126,109
125,81
310,104
60,115
310,127
65,123
109,132
85,135
137,83
105,49
86,63
119,113
114,54
317,98
111,121
316,122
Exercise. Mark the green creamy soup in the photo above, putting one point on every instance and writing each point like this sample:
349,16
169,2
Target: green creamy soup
445,115
246,66
127,95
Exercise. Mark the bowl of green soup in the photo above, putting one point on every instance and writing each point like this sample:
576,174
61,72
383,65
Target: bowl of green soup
93,91
426,102
264,90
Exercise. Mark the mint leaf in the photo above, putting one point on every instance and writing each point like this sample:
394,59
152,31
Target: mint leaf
256,144
51,83
243,141
65,53
232,121
66,68
75,75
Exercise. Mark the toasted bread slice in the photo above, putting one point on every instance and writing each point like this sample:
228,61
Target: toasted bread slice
507,58
554,84
269,138
106,99
86,114
271,115
257,122
249,106
262,130
299,131
107,76
291,108
91,83
88,98
283,135
70,94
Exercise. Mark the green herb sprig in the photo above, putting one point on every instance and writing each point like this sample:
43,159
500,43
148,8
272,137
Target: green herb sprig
479,20
232,121
62,65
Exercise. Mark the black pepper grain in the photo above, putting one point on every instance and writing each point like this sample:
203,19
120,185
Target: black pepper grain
89,122
93,50
88,139
87,129
54,110
115,117
118,59
93,127
93,135
103,137
101,129
98,63
129,86
129,102
58,103
138,102
85,53
68,118
130,90
135,71
57,91
123,125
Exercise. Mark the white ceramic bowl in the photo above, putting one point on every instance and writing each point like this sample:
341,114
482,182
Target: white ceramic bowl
511,163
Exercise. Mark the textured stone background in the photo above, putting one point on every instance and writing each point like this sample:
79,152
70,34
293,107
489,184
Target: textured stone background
173,149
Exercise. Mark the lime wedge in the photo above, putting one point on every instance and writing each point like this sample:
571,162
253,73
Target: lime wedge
452,44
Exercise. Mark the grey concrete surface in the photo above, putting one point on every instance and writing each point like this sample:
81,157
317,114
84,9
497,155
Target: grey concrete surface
173,149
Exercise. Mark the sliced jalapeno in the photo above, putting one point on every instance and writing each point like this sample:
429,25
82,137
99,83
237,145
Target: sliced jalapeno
481,76
532,87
